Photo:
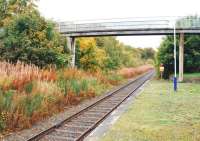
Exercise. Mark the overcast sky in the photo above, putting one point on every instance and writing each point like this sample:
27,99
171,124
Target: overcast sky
73,10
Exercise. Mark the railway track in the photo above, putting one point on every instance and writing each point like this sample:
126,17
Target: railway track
79,125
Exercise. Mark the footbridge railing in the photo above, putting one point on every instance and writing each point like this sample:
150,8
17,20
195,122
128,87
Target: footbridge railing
190,22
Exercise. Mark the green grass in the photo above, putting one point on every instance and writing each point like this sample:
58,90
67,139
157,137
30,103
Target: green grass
159,114
192,75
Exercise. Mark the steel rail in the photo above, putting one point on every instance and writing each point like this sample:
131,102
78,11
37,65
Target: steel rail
98,122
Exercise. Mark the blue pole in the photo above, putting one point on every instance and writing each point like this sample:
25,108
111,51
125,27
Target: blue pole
175,79
175,84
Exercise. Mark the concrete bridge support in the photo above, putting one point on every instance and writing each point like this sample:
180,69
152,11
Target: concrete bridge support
181,57
72,46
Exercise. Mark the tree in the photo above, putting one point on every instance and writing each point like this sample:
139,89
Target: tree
89,56
165,55
191,54
119,55
148,53
30,38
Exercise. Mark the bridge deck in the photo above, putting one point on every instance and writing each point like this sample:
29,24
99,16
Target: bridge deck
138,26
130,32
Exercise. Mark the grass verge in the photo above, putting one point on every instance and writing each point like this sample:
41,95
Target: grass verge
159,114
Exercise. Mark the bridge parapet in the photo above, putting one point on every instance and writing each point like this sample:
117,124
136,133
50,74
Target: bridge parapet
112,26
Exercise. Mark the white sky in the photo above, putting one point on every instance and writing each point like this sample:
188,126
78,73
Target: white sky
71,10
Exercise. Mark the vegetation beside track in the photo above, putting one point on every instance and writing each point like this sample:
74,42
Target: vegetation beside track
159,114
29,94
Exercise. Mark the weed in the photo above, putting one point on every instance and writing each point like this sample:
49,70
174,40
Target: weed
75,86
63,85
2,122
84,85
32,104
29,87
6,100
115,79
28,93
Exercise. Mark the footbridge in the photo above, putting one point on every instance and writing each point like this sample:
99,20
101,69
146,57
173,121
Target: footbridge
131,27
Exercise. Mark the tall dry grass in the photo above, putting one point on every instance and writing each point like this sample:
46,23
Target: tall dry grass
29,94
17,75
132,72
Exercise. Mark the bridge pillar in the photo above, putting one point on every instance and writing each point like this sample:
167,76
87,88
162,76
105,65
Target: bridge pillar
71,45
181,57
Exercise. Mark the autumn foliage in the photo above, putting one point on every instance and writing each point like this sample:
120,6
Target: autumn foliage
132,72
17,75
29,94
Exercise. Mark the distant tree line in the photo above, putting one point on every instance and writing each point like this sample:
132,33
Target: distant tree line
107,53
165,54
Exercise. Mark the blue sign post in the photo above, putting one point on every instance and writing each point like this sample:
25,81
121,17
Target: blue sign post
175,79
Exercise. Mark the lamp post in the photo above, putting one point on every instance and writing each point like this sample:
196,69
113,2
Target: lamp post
175,78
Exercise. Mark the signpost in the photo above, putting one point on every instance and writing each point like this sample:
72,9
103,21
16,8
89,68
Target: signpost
161,70
175,79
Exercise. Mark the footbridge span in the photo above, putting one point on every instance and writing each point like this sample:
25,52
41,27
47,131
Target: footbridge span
132,27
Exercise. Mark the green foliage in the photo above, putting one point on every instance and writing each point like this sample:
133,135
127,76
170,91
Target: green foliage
89,56
64,85
28,37
191,49
115,78
118,54
29,87
3,9
2,122
191,54
6,100
31,104
113,50
84,85
107,53
165,56
75,86
148,53
5,106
